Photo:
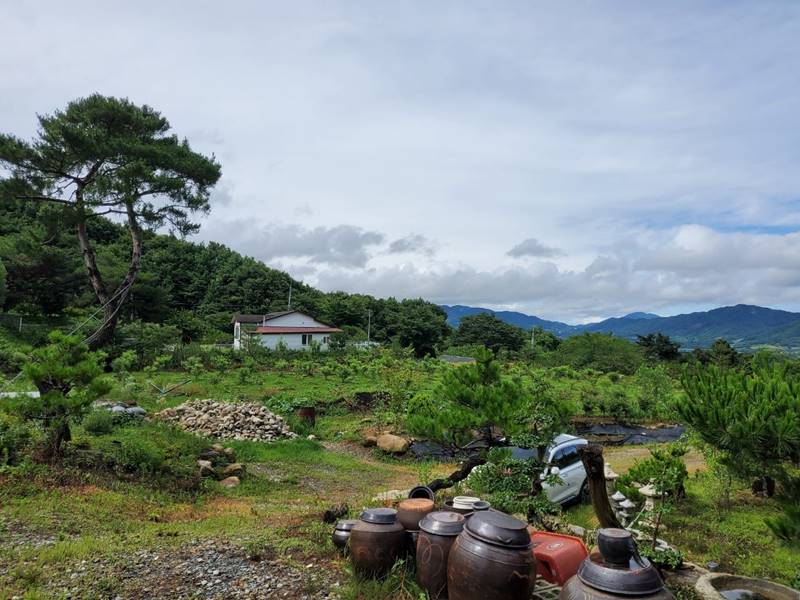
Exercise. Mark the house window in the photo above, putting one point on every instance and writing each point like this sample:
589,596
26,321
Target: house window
306,339
326,339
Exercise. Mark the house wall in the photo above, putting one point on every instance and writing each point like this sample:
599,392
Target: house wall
293,341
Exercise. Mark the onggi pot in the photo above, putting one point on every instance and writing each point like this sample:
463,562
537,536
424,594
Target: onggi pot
491,560
341,534
376,542
615,570
438,532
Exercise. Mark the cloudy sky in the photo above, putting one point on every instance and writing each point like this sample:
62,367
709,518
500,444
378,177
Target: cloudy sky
573,160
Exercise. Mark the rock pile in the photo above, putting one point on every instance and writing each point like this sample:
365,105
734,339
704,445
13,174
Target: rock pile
228,420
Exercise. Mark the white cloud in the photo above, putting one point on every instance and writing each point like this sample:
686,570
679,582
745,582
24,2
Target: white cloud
649,143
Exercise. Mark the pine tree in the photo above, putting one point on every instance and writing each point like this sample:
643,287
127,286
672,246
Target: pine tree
472,397
68,377
754,420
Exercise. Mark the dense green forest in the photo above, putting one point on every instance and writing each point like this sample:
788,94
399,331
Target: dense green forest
194,287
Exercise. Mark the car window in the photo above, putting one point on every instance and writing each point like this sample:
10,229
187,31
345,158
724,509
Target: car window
565,457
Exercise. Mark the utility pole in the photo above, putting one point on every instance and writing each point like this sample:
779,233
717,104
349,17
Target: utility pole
533,338
369,322
289,306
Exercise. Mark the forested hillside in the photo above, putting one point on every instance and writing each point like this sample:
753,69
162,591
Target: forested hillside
195,287
746,327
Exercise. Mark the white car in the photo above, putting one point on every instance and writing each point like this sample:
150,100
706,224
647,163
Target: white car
563,460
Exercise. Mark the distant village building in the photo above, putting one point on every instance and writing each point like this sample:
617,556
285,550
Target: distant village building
296,330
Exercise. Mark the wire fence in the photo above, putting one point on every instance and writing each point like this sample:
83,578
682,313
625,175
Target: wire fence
31,329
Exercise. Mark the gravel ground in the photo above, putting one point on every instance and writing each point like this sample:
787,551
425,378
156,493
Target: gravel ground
202,570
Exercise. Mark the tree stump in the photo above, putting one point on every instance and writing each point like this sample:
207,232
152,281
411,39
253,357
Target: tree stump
592,458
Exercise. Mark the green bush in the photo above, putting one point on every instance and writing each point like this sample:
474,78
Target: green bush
140,456
11,357
15,437
98,422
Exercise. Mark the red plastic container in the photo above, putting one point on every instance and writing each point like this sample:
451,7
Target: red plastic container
557,556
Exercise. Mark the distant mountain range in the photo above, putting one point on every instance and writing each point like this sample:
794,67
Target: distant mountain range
745,326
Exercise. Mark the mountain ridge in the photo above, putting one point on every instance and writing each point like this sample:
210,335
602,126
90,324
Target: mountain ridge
745,326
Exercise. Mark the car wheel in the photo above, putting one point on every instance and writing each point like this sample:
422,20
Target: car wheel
584,497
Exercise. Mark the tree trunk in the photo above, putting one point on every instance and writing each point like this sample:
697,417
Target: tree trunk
60,433
111,303
592,458
462,473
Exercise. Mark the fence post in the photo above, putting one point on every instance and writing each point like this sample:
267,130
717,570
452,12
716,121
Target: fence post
20,323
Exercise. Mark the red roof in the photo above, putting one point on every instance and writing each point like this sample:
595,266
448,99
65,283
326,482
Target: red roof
298,330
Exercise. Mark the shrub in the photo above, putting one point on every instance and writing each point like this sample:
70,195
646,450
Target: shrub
141,456
68,377
15,437
98,422
11,359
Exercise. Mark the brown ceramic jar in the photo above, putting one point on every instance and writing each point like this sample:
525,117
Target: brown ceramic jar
411,511
341,534
491,560
438,532
376,542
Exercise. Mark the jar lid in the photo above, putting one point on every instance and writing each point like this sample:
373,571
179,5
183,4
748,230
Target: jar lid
481,505
380,516
464,502
442,523
499,529
346,524
617,568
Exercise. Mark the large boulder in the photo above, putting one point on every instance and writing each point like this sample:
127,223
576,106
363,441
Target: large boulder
394,444
230,482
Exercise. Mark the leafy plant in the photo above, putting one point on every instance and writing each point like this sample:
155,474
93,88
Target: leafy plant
68,377
98,422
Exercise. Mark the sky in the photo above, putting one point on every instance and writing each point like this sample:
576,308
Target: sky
573,160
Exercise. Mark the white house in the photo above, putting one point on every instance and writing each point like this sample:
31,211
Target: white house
295,329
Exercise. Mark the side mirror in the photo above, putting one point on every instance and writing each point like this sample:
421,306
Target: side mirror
554,470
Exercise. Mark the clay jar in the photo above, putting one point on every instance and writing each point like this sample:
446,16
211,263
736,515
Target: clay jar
376,542
615,570
491,560
410,512
438,532
341,534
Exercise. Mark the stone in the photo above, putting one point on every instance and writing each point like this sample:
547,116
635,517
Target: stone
649,491
230,482
389,442
609,473
311,437
233,469
576,530
206,468
227,420
136,411
118,409
230,454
